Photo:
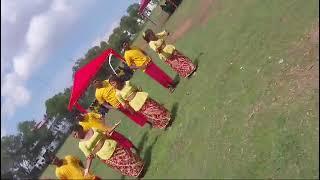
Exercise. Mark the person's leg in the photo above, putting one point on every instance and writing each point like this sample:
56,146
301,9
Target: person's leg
160,76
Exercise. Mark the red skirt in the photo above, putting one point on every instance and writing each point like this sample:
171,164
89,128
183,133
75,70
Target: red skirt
156,113
123,160
181,64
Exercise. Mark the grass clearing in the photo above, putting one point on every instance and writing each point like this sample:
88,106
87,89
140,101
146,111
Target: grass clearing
248,113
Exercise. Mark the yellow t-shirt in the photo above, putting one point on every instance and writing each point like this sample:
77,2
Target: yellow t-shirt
139,99
107,94
106,150
92,120
136,57
71,169
167,49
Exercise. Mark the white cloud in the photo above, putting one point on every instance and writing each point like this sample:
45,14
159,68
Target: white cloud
44,31
3,131
107,33
13,10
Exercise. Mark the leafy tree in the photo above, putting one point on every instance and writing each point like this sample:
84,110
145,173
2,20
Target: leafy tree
133,10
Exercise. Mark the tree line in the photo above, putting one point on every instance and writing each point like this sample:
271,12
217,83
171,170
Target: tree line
26,145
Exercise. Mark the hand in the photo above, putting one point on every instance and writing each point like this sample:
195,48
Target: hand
91,156
86,172
143,66
134,67
113,128
168,33
117,124
159,50
131,110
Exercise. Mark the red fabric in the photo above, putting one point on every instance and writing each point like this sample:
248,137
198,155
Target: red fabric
121,139
156,113
85,74
143,5
181,64
80,108
96,178
136,117
157,74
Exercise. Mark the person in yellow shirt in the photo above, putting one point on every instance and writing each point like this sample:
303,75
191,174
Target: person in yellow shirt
106,96
132,97
94,120
180,63
70,167
93,144
136,58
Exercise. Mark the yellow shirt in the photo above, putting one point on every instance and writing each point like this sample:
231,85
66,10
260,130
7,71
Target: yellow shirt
71,169
167,49
135,56
106,150
107,94
139,99
93,120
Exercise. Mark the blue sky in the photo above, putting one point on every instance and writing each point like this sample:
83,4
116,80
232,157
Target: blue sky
39,42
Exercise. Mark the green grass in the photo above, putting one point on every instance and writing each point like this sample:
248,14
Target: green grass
233,122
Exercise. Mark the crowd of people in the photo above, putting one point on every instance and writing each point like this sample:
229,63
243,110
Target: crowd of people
99,140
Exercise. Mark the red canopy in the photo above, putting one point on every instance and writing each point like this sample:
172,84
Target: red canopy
85,74
143,5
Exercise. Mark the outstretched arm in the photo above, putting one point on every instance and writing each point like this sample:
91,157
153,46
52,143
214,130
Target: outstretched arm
88,164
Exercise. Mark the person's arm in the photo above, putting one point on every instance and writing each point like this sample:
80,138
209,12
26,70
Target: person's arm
134,67
81,164
128,107
107,105
113,128
162,34
88,165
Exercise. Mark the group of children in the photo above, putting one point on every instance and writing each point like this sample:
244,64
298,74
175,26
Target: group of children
96,139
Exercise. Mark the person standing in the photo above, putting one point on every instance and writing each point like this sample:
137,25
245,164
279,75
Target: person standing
70,167
136,58
180,63
106,96
139,101
94,144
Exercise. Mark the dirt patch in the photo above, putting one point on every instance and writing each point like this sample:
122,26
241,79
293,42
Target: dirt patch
205,7
304,77
200,16
313,36
297,80
183,28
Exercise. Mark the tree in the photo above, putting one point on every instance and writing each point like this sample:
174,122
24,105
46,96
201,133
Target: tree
130,24
58,105
133,10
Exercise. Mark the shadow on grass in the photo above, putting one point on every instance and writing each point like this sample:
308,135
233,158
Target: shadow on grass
147,158
144,139
196,60
196,63
174,111
176,80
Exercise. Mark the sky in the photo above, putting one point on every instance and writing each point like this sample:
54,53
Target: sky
40,41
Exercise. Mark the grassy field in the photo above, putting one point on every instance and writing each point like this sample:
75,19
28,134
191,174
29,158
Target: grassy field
251,111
